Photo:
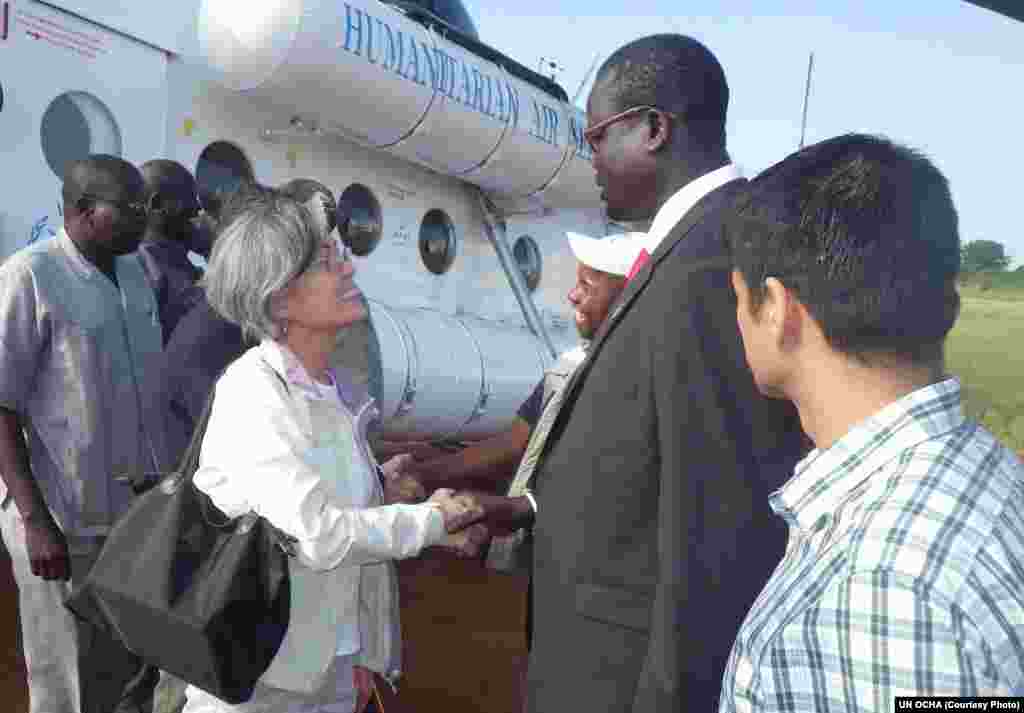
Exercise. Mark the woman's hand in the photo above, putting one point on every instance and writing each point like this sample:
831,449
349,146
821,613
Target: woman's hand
393,467
363,678
399,487
403,489
459,511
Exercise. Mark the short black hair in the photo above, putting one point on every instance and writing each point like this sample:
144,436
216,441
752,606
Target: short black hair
101,176
172,181
674,73
865,232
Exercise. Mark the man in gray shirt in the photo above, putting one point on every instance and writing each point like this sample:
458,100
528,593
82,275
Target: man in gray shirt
79,334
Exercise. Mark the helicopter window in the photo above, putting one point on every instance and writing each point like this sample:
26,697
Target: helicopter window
362,210
437,241
222,167
527,256
74,125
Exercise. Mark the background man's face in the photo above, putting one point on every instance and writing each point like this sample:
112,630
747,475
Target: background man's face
592,296
122,221
116,217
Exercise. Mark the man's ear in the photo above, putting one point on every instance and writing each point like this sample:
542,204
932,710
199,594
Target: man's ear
659,130
784,312
158,203
85,210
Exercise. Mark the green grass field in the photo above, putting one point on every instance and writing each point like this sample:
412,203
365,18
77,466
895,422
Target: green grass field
1003,286
986,350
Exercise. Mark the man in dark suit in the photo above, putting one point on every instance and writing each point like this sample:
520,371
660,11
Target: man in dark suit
652,535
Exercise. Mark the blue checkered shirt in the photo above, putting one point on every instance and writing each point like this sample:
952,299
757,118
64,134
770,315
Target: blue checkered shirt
904,572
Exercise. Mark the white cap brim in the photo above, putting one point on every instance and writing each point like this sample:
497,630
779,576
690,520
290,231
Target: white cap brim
613,254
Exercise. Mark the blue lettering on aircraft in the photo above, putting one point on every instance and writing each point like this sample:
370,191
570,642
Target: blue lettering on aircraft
576,126
392,50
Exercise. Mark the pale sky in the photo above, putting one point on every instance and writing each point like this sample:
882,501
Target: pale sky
943,76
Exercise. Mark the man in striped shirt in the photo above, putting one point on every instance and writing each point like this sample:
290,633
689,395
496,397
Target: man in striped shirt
904,571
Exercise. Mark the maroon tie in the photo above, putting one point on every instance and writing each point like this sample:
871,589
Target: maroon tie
638,264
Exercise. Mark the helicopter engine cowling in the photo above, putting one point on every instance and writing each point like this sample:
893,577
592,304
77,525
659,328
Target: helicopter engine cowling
439,376
369,73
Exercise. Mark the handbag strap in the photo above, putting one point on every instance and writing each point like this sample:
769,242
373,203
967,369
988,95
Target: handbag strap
190,461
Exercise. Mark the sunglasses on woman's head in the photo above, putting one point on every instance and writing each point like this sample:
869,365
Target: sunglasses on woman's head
331,259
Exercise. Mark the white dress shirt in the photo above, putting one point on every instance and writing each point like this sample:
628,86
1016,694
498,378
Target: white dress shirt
676,207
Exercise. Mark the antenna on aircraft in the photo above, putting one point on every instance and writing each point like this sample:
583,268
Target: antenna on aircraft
586,78
807,96
547,65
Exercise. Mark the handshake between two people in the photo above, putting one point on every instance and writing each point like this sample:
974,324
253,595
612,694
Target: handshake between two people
471,518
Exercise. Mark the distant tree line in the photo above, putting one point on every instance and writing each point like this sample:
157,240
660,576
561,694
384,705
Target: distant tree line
984,256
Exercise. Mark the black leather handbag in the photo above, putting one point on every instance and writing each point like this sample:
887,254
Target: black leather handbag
189,590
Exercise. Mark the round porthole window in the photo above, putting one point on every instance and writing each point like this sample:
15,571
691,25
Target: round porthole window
222,167
437,241
527,257
361,209
75,125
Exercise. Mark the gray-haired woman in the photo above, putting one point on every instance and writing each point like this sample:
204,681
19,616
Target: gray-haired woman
286,439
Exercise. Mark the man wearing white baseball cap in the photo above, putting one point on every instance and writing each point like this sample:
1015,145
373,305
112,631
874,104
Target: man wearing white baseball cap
614,254
602,266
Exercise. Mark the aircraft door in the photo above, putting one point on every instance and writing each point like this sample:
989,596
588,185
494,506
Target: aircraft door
70,88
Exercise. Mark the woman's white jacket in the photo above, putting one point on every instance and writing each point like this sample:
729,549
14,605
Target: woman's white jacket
275,446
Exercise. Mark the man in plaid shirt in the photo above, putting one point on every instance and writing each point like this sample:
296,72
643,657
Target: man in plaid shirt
904,572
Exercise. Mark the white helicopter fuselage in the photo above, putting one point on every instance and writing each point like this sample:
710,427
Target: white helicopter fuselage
462,177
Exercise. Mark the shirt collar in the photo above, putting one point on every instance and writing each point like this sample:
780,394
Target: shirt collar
283,360
676,207
163,245
78,261
575,356
824,479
